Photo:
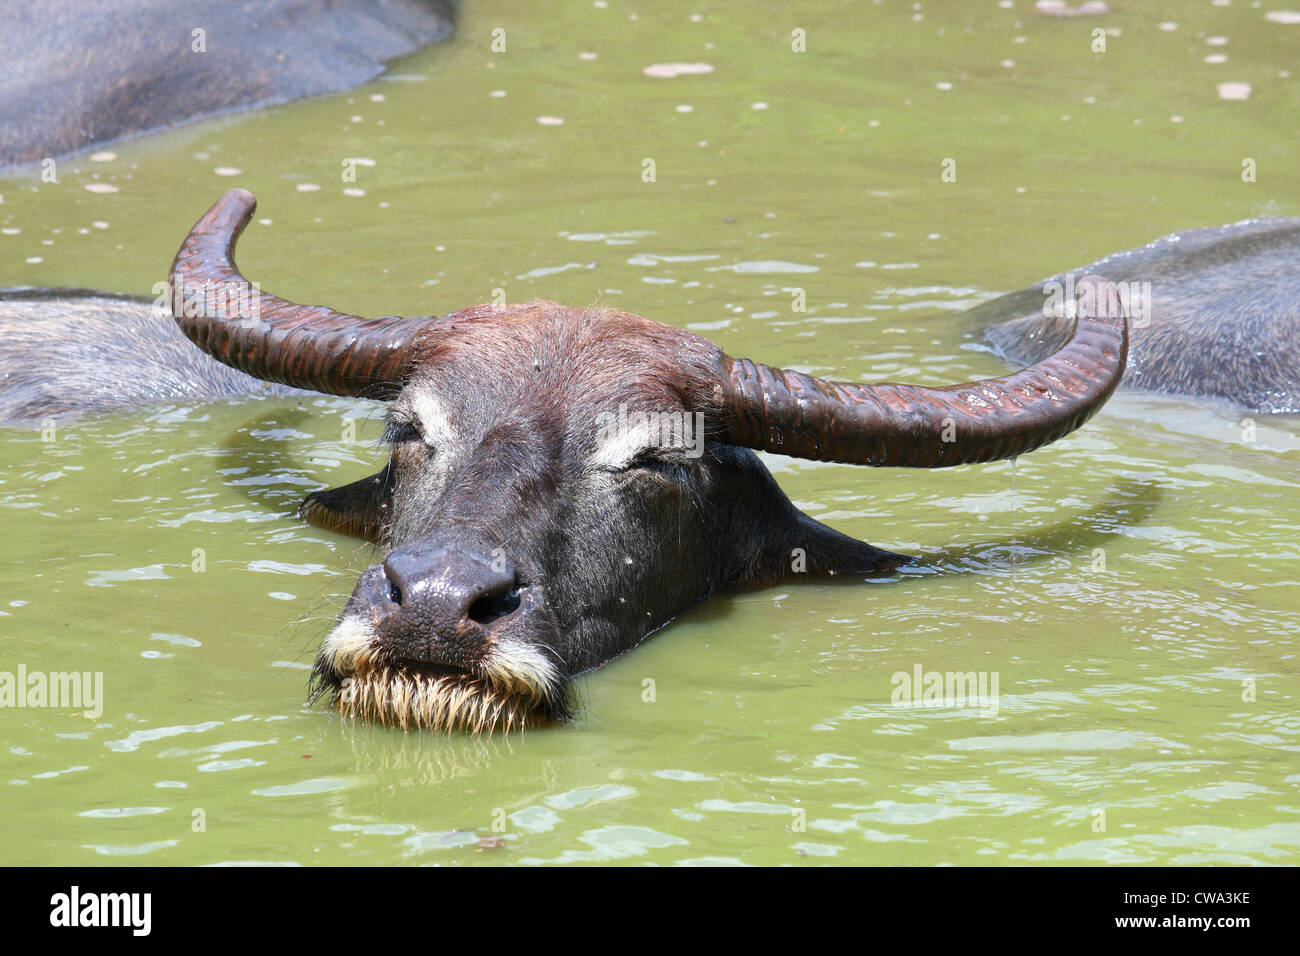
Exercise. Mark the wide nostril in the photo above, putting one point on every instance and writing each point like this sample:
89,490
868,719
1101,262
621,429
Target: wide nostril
436,595
495,604
400,576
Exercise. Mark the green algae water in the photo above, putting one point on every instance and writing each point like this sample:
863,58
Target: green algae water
1133,590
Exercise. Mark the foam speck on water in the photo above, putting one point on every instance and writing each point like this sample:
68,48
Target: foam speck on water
670,70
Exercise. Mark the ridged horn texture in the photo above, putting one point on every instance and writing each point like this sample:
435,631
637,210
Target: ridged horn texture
306,346
790,413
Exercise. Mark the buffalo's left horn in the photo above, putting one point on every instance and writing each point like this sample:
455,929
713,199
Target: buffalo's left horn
306,346
790,413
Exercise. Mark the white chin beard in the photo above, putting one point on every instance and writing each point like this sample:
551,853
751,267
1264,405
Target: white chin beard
519,679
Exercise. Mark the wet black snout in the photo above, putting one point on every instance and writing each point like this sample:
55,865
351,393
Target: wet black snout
442,601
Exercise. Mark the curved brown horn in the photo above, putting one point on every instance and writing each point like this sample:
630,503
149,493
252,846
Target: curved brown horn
907,425
306,346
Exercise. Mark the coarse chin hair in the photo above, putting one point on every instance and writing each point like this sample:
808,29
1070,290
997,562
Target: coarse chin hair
516,687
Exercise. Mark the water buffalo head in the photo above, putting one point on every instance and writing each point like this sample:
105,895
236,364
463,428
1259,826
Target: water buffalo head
562,482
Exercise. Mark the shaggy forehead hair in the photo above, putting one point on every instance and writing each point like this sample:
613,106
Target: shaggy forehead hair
542,358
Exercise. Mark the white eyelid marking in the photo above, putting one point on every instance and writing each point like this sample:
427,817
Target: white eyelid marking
623,436
621,446
435,426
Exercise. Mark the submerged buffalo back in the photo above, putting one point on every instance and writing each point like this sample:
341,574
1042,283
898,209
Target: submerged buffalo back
1217,315
67,351
78,73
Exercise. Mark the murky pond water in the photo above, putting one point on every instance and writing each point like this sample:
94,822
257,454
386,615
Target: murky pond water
1133,589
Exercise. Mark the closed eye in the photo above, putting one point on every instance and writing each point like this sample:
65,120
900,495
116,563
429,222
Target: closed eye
674,468
398,433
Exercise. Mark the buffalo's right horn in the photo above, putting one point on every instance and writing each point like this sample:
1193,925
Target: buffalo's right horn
306,346
791,413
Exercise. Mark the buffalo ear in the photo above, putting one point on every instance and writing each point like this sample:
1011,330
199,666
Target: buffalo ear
811,548
357,509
